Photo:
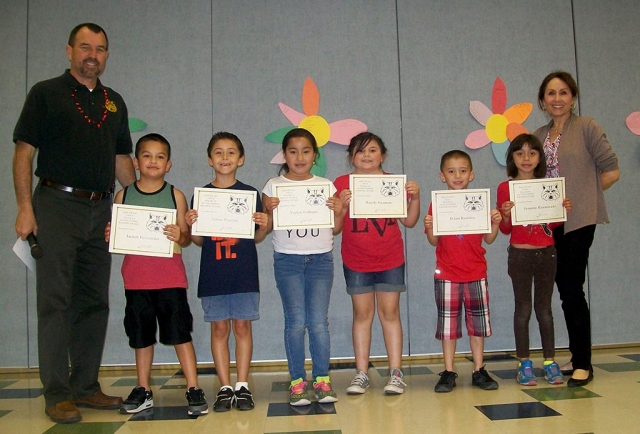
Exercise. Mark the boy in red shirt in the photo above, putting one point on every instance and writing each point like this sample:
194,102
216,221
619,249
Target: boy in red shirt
461,280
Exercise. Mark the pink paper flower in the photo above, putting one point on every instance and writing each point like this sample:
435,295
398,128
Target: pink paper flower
339,132
633,123
500,125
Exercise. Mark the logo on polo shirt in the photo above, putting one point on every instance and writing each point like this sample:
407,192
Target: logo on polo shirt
111,106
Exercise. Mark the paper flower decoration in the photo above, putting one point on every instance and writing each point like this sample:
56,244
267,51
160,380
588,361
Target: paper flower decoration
339,132
500,125
633,123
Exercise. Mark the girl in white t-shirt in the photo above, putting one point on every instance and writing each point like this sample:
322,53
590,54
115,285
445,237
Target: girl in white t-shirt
303,268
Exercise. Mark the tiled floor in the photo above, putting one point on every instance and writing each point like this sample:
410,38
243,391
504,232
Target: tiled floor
607,405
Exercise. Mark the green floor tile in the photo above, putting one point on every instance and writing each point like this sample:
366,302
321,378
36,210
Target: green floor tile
280,386
7,383
559,393
634,357
174,387
133,381
85,428
333,431
407,371
619,367
5,412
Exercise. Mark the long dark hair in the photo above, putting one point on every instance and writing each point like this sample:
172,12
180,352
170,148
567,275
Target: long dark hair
361,141
297,132
534,143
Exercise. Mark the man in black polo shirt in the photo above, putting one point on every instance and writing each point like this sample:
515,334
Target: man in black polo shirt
80,131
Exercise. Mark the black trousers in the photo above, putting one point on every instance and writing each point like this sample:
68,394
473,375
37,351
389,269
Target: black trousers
573,257
535,267
72,292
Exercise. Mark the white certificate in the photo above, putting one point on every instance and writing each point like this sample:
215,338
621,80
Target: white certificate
537,201
137,230
460,212
378,196
302,206
224,213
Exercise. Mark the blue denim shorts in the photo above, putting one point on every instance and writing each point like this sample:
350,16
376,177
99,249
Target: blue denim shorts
378,281
244,305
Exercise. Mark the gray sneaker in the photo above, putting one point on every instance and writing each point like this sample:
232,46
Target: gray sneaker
359,384
395,386
139,399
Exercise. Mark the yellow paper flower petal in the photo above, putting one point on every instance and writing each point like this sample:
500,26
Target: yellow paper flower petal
318,127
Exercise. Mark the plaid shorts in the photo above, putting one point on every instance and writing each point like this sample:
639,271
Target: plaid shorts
450,297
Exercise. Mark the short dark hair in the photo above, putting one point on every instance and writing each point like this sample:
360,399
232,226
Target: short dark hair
91,26
562,75
455,153
295,133
220,135
153,137
361,141
534,144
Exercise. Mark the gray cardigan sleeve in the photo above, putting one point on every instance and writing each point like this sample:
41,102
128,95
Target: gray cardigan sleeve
598,146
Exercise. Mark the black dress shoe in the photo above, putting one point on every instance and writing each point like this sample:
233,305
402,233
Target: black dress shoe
579,383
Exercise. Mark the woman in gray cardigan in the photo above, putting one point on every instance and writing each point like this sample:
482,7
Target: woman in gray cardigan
577,149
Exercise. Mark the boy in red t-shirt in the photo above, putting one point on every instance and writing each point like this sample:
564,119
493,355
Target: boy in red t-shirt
461,280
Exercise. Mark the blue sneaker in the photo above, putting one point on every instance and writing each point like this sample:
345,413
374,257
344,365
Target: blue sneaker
553,374
525,374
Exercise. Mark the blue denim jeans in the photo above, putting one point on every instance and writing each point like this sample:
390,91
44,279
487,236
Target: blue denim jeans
304,283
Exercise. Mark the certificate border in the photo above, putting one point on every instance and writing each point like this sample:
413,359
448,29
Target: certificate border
354,213
245,235
434,201
277,226
523,222
154,253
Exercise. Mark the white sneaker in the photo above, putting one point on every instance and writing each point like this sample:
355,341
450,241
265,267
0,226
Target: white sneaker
395,386
359,384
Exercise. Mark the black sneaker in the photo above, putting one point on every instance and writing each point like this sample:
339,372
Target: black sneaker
139,399
482,379
197,402
244,400
447,381
224,400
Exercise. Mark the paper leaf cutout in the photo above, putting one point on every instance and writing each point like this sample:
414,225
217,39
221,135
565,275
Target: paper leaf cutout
480,112
514,130
500,152
477,139
278,158
343,131
320,166
277,135
310,98
499,97
294,116
136,125
633,122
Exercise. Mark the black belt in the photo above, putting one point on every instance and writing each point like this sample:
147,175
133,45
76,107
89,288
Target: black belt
91,195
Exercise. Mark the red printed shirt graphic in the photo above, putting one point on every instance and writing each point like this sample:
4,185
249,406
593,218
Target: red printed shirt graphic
229,265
